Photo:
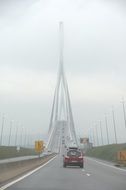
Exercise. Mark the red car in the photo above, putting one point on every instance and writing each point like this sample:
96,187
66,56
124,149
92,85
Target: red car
73,157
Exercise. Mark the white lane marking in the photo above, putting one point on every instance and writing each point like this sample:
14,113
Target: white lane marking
83,170
99,162
26,175
88,175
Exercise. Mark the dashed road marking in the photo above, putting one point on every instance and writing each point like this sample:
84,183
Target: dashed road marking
85,173
88,175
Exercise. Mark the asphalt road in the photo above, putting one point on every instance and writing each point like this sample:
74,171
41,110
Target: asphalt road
95,176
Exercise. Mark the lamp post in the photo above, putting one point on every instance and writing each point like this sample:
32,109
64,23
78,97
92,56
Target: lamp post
16,134
21,136
89,135
94,137
25,138
97,135
11,125
101,133
106,124
114,124
124,112
1,136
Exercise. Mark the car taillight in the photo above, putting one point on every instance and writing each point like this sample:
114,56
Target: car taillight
66,157
80,157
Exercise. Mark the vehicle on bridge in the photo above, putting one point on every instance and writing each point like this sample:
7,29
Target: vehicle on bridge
73,157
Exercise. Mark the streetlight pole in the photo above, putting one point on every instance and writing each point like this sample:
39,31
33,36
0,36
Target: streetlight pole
124,112
93,137
11,124
97,135
89,135
114,124
106,124
101,133
1,136
16,134
21,136
28,140
25,138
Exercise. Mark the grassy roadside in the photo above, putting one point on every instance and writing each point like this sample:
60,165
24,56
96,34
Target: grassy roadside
10,152
107,152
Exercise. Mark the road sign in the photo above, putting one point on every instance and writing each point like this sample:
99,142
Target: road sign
39,146
122,156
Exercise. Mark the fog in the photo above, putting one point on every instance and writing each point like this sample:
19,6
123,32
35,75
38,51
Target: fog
94,61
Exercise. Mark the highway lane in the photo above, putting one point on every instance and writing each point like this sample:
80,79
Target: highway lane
94,176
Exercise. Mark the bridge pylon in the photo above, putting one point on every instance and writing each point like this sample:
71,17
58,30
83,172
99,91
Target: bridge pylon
61,129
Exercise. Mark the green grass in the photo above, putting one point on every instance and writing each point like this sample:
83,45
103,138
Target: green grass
10,152
107,152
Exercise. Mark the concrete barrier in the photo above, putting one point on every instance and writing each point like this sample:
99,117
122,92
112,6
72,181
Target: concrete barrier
9,171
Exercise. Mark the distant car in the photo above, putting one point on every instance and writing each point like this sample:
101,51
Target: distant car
73,157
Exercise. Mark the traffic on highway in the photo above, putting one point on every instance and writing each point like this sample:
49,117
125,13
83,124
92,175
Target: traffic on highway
95,175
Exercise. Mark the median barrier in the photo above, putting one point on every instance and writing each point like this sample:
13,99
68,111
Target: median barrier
9,171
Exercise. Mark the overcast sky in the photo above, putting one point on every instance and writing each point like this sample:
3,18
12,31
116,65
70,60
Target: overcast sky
94,60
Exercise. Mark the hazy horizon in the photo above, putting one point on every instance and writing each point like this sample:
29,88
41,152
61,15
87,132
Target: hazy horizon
94,61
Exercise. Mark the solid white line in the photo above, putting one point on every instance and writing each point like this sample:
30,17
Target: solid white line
26,175
100,162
